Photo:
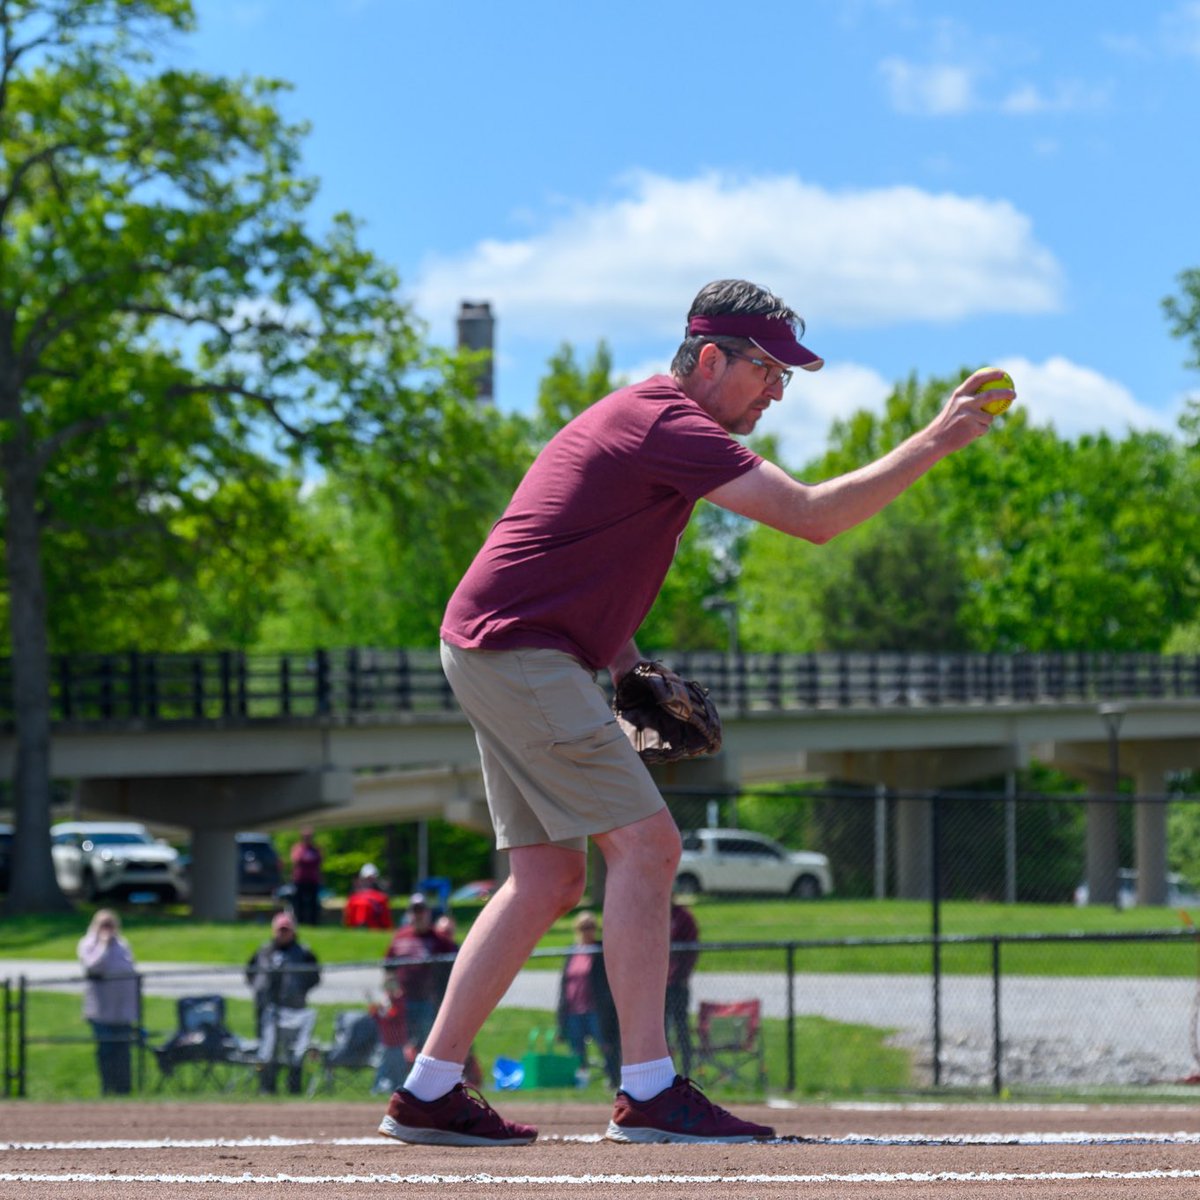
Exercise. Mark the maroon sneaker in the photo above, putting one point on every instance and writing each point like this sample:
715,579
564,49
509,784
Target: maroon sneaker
461,1117
680,1113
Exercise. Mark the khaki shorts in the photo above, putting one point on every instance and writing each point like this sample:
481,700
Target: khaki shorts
556,766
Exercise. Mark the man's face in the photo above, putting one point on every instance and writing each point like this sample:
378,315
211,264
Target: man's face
419,915
743,390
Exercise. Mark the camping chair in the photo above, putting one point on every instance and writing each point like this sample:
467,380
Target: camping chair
202,1053
286,1034
730,1046
351,1058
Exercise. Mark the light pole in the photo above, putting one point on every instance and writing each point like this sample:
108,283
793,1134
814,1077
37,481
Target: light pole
1112,715
1102,858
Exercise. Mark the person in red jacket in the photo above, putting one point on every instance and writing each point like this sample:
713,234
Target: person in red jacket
367,906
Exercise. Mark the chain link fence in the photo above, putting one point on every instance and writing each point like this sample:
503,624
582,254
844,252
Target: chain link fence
985,970
1068,1014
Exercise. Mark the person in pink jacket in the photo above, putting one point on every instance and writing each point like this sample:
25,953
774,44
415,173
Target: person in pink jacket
111,999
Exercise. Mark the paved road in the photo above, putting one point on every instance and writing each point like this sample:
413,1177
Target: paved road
1126,1030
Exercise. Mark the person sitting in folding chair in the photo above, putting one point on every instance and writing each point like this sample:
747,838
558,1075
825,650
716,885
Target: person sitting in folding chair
282,972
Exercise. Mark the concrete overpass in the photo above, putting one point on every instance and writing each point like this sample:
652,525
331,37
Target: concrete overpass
380,740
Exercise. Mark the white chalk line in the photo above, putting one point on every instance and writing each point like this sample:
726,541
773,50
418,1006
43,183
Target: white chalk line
591,1180
1080,1138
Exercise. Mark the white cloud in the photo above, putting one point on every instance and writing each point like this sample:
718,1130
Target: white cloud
814,400
933,90
1075,399
858,258
643,370
1067,96
1071,398
946,90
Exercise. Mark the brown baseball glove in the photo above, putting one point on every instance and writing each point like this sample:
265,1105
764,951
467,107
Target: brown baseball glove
665,716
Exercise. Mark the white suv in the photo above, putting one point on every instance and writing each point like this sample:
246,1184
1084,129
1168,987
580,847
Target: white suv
736,860
113,858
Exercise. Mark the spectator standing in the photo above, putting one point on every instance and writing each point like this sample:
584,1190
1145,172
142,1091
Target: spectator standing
679,976
306,879
367,906
421,981
281,973
111,999
585,1005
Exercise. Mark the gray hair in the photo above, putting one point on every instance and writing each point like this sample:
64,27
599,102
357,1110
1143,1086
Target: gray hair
726,296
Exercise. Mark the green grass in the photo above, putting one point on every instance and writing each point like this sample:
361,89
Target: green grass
172,936
831,1058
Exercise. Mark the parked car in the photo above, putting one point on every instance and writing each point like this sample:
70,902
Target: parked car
1180,893
95,859
259,869
6,841
735,860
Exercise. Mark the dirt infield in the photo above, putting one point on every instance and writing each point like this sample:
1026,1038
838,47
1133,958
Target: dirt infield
184,1151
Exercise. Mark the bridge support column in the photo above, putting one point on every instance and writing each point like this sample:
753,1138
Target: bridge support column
1150,838
214,874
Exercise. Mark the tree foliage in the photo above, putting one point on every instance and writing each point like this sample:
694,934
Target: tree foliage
176,348
1022,541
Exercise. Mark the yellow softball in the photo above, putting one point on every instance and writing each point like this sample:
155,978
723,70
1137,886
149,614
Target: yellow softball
995,407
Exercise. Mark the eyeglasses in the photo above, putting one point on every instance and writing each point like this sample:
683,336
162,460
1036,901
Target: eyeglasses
775,373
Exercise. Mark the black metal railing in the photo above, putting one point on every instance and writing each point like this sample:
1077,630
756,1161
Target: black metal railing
1106,1021
360,681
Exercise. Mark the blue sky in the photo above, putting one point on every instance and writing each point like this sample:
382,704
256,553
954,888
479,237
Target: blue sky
933,185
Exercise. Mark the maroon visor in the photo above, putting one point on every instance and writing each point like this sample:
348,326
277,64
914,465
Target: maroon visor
776,336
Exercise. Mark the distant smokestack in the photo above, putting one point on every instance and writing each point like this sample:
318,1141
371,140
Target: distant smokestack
476,331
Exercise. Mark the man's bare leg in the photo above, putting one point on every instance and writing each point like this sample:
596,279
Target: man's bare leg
544,882
640,859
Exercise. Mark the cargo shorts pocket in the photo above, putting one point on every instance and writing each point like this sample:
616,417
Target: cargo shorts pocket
590,748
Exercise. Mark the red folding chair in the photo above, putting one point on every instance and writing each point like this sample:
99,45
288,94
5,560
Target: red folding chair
730,1046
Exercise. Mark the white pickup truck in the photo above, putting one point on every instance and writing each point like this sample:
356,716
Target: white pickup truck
735,860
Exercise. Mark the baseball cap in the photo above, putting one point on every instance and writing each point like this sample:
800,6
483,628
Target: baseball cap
777,336
369,871
282,920
417,900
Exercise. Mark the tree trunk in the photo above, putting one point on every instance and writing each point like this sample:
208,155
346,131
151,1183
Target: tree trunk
32,886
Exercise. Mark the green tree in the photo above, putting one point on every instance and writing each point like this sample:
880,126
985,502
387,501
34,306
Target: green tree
1023,541
892,583
174,342
382,552
1183,316
568,388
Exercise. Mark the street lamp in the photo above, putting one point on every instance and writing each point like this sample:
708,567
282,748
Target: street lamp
1103,860
1113,715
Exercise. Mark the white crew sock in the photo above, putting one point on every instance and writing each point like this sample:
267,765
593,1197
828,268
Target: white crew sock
644,1080
430,1078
